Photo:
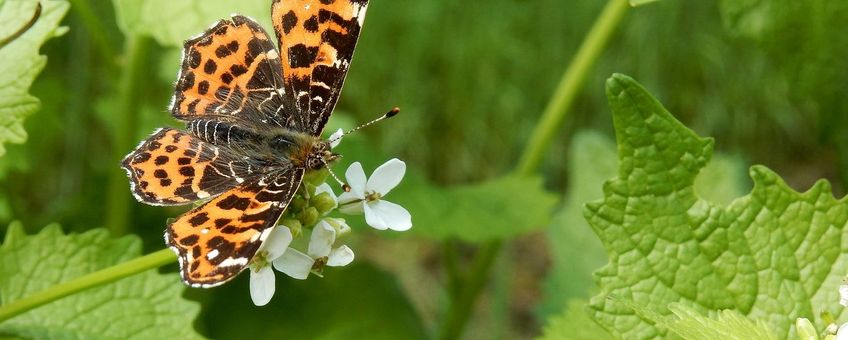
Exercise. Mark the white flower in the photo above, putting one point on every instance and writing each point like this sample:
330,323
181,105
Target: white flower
261,276
843,295
842,333
336,138
320,252
366,196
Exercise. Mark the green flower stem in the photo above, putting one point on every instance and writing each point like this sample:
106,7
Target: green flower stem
569,86
126,117
98,278
555,113
463,303
451,262
95,29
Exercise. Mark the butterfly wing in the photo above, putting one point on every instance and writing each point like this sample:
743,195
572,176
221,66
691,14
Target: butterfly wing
232,69
172,167
317,39
216,241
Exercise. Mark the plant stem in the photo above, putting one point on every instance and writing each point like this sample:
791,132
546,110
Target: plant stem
570,84
451,262
463,303
126,116
555,113
98,278
94,28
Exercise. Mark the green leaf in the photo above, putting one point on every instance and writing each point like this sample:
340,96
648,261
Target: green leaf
183,19
497,209
637,3
22,63
357,302
690,324
574,323
575,249
772,255
144,306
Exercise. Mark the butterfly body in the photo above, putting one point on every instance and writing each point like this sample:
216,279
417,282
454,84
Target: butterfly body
254,115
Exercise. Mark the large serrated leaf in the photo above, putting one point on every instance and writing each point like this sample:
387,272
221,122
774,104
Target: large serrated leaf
21,61
145,306
773,255
172,22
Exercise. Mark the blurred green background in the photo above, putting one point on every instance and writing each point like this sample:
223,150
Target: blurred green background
766,79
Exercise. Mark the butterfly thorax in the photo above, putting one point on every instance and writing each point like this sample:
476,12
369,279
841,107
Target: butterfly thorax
302,150
272,148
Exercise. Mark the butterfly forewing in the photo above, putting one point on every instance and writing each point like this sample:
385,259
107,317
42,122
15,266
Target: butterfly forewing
317,39
217,240
232,69
172,167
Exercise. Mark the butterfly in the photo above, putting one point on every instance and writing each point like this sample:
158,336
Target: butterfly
254,116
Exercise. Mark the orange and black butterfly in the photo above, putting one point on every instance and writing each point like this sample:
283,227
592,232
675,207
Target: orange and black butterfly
254,116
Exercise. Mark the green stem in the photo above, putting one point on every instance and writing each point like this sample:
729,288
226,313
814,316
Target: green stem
555,113
570,84
94,28
461,305
451,262
98,278
126,116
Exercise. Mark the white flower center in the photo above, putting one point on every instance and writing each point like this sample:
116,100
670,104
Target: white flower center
373,196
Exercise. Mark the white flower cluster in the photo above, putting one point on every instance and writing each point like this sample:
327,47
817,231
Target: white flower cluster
366,196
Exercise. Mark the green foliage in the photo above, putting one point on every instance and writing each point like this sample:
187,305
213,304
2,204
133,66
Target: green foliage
22,62
771,255
574,323
183,19
497,209
358,302
575,249
690,324
148,305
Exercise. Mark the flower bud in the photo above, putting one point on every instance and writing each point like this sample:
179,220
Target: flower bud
308,216
323,202
298,202
294,225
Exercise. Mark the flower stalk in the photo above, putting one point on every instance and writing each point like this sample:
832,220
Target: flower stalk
82,283
556,111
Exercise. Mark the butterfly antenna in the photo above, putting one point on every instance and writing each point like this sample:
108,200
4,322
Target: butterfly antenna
389,114
344,185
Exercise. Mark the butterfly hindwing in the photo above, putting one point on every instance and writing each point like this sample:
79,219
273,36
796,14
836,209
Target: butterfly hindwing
172,167
232,69
217,240
317,39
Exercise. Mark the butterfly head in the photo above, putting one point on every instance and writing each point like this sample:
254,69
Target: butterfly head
321,155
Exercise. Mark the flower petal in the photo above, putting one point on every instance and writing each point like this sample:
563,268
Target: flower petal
262,285
394,216
339,224
356,179
295,264
842,333
336,138
386,177
340,256
350,204
323,236
372,217
277,242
